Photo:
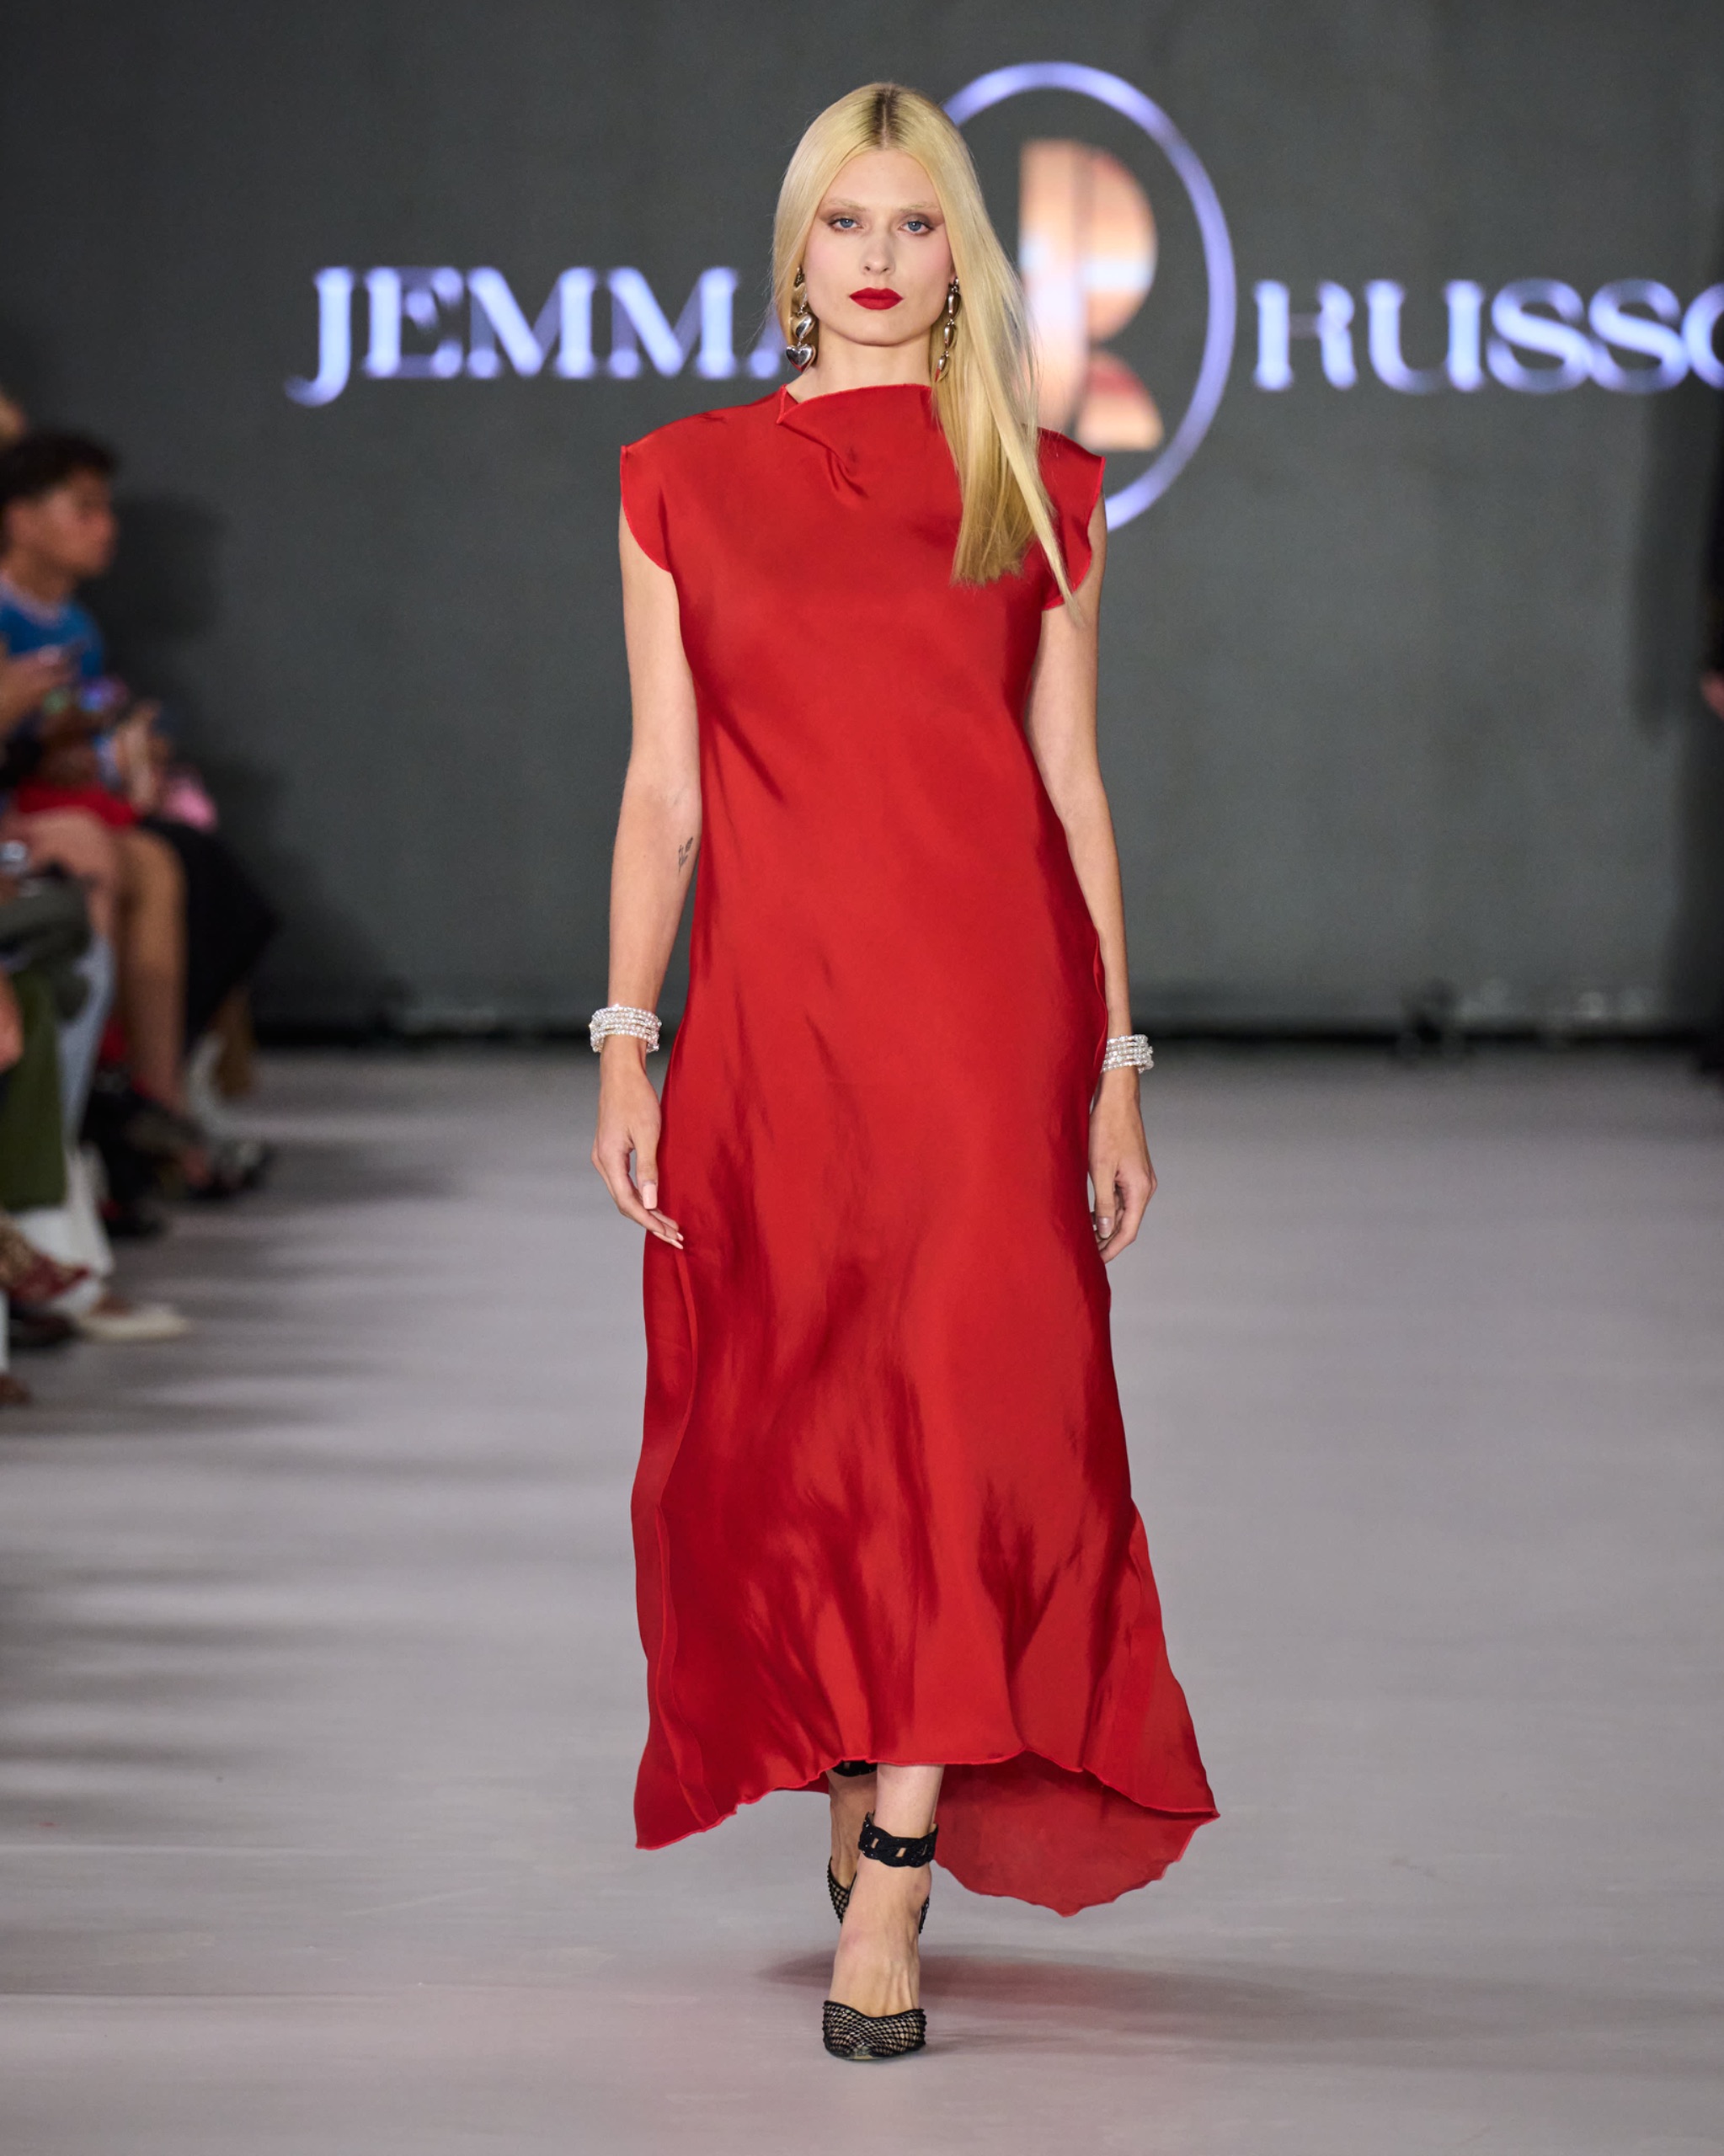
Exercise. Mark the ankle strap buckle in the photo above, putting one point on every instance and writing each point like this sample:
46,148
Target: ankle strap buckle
908,1853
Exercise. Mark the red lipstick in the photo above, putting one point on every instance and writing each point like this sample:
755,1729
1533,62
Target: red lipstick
877,295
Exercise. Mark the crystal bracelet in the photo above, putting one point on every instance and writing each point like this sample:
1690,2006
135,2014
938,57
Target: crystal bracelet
1128,1052
624,1018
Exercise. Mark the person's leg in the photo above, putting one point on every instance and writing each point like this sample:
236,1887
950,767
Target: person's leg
81,844
71,1233
228,922
80,1038
11,1030
152,956
877,1969
32,1133
235,1074
14,1392
853,1797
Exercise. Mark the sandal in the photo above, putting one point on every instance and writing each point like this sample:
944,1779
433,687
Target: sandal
859,2037
29,1275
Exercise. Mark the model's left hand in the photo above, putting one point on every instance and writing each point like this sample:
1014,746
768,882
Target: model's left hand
1120,1171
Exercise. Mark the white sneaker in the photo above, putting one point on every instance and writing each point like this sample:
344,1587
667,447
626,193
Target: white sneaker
132,1322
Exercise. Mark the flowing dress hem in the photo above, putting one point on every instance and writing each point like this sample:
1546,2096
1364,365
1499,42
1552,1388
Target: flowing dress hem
1143,1873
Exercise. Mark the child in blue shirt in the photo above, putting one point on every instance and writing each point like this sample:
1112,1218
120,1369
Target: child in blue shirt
60,530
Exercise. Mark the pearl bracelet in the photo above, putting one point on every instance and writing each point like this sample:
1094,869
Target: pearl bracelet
1128,1052
624,1018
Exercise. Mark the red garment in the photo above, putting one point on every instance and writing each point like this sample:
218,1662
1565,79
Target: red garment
34,799
883,1510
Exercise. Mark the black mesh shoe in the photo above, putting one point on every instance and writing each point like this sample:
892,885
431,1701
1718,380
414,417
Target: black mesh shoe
845,2033
860,2038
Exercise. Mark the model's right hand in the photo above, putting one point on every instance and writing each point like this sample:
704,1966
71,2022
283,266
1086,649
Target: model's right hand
628,1124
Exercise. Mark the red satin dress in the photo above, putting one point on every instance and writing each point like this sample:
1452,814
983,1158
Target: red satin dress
883,1510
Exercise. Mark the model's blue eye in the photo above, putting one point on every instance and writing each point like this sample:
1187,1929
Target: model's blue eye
838,221
917,224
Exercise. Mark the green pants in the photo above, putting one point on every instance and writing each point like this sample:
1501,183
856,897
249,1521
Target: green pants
32,1143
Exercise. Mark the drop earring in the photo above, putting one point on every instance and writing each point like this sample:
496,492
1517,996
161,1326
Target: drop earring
803,328
948,331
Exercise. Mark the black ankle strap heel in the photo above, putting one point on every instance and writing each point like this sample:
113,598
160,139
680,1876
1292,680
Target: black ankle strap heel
905,1853
875,1843
845,2033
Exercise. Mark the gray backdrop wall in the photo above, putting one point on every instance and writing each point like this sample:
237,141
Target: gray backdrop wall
1397,685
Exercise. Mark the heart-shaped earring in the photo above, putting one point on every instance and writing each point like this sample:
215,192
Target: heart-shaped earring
804,330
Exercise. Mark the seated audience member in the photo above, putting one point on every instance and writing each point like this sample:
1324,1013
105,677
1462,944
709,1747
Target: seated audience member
60,530
26,1274
45,1182
47,1202
116,897
93,788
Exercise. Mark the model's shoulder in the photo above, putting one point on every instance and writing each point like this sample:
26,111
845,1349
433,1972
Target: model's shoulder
689,465
1060,453
704,436
1072,474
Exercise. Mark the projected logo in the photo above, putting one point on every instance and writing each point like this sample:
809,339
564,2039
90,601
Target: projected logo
1086,247
1088,250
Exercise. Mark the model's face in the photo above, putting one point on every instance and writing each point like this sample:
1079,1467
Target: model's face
71,530
878,261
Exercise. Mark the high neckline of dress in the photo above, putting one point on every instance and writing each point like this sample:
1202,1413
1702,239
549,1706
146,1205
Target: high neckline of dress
862,389
877,416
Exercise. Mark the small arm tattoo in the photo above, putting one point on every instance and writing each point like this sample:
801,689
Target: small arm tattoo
683,851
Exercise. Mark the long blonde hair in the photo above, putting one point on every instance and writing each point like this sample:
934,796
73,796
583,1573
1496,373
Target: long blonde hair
986,400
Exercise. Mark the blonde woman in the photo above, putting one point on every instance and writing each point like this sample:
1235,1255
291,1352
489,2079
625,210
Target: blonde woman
885,1536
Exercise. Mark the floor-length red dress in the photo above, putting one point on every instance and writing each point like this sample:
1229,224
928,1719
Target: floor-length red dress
883,1510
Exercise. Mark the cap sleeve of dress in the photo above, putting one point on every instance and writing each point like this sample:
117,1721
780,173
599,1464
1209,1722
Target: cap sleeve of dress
643,497
1073,479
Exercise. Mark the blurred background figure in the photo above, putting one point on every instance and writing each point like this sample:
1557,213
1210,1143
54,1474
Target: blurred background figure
128,931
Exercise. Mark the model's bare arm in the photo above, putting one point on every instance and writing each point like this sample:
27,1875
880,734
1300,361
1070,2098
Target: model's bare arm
657,834
1061,724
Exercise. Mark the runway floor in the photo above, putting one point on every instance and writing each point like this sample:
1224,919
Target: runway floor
320,1697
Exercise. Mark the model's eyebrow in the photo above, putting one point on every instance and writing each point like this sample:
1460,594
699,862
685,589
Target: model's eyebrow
903,209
